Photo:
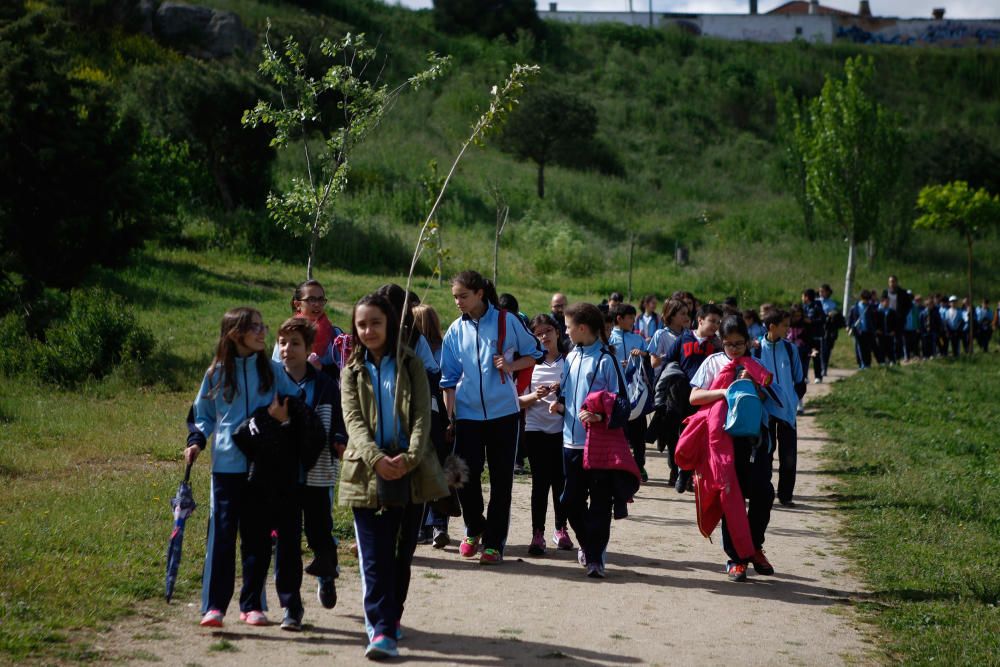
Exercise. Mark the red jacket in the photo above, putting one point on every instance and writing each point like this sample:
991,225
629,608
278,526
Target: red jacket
708,450
606,449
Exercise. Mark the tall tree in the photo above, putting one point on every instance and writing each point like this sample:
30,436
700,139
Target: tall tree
546,121
957,207
795,136
852,161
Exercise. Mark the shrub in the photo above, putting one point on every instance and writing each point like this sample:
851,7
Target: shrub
99,333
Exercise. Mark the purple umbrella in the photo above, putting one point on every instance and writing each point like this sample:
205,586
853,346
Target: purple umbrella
183,505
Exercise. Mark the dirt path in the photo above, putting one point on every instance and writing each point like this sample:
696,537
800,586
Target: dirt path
666,600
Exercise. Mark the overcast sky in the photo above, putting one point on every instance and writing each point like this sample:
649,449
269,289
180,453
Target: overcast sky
902,8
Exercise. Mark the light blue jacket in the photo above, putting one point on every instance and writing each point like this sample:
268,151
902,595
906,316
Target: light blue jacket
214,416
782,360
624,342
587,369
467,364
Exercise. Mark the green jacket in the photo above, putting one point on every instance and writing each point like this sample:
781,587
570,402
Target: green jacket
413,405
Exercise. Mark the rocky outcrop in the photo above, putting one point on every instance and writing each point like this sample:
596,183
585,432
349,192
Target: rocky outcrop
198,31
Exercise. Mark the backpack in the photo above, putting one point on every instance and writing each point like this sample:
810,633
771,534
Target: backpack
746,410
638,387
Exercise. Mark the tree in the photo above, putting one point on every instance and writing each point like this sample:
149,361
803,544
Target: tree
795,136
957,207
306,205
548,120
488,18
71,195
852,160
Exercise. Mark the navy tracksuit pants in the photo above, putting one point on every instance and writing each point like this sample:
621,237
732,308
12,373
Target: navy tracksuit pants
591,523
386,541
755,482
230,514
494,441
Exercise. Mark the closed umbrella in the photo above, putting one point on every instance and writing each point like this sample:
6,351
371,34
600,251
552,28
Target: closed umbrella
183,505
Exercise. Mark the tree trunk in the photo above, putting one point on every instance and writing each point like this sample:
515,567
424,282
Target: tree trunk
971,305
852,252
440,259
312,251
871,251
496,255
541,180
631,251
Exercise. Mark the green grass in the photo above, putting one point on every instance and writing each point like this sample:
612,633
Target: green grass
916,453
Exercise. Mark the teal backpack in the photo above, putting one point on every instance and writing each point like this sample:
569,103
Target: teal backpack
746,411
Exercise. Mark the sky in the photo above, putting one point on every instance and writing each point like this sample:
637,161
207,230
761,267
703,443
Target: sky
955,9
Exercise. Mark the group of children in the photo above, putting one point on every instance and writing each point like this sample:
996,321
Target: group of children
401,419
901,326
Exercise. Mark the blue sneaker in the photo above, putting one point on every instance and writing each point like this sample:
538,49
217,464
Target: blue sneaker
381,648
399,631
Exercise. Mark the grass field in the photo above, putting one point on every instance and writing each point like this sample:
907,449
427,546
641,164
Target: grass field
916,453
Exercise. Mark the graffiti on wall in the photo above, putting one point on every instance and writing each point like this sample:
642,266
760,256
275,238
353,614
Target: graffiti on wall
925,33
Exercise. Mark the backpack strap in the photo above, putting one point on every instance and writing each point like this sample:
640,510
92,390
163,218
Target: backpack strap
501,336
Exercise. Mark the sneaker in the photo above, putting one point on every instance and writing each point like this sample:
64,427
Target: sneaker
291,622
818,381
254,618
490,557
469,547
518,469
683,479
595,571
736,571
326,593
672,480
761,565
399,631
424,536
643,474
212,619
787,503
441,538
537,546
381,648
581,557
561,540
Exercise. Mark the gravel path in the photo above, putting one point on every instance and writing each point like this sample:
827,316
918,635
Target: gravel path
666,600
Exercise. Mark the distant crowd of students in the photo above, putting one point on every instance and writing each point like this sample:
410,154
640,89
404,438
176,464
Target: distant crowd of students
400,419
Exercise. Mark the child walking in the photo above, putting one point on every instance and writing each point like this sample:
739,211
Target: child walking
309,302
587,497
543,436
750,454
627,345
480,396
240,380
322,396
780,358
648,322
390,467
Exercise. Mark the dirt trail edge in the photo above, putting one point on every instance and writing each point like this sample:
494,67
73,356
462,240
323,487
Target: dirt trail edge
666,599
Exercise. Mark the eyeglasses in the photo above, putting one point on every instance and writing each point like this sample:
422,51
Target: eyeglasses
258,328
734,346
314,300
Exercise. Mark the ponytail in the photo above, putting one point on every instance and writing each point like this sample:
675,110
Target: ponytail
590,316
474,281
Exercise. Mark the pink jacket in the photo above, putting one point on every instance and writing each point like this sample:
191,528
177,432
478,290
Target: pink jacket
606,449
708,450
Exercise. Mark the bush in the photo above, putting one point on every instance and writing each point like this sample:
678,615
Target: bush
99,333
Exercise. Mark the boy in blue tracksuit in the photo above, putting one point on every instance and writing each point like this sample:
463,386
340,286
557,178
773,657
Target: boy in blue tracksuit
480,397
862,323
984,325
627,345
782,359
240,380
955,325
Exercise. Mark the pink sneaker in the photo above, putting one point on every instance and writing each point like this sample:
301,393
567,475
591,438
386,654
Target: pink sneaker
537,546
469,547
561,540
256,618
212,619
490,557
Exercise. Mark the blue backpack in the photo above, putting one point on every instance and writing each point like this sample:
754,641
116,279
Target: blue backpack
746,411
